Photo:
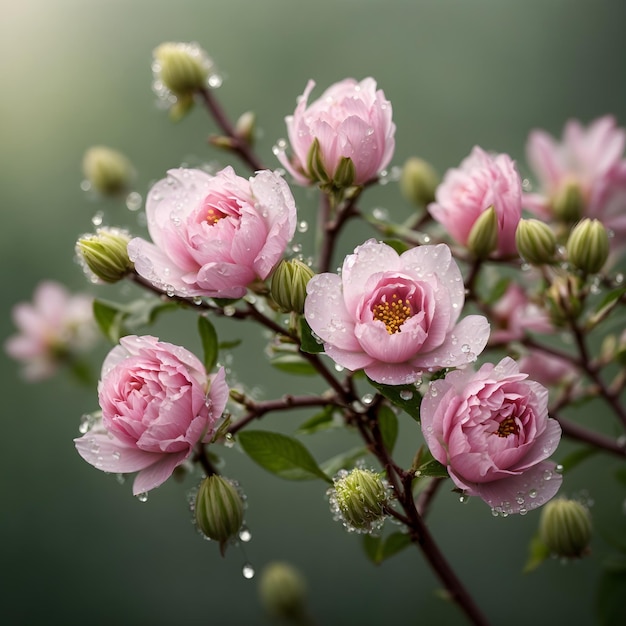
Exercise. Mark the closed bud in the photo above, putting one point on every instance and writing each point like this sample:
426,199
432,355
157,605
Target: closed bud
535,241
316,170
588,246
418,181
182,68
358,499
563,299
289,282
483,237
219,509
107,171
282,590
104,256
565,527
245,127
568,204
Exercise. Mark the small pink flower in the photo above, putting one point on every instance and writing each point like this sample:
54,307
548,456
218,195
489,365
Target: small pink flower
157,403
514,315
548,369
214,235
482,181
350,119
55,326
491,429
590,158
395,315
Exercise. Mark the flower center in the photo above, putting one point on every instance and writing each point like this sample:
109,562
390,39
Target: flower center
507,427
213,215
392,314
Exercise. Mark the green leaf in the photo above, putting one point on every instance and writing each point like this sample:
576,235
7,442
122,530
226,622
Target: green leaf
397,244
344,460
432,469
538,552
577,456
620,474
208,335
405,397
610,298
378,549
229,345
293,364
498,290
320,421
281,455
108,316
307,342
388,425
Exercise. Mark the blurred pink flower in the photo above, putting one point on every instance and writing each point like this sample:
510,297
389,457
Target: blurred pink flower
548,369
56,326
491,429
214,235
513,315
591,159
483,180
157,403
350,119
395,315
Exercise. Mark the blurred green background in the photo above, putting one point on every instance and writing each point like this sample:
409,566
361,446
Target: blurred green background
77,548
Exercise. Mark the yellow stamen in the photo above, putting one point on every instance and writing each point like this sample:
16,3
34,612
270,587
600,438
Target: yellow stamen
213,216
507,427
392,314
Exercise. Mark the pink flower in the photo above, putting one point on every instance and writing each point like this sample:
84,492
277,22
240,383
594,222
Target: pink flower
350,119
491,429
395,315
54,327
548,369
482,181
514,315
591,160
214,235
157,403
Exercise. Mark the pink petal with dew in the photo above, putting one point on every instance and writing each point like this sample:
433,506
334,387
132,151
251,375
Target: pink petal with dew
155,266
396,348
543,447
109,455
175,196
542,153
525,491
223,280
157,473
326,313
350,360
370,258
393,373
466,341
271,192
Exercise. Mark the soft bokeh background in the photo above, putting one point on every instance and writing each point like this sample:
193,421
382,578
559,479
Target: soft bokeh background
77,548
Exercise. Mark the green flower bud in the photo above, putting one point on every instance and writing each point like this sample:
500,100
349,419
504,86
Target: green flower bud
483,237
107,171
219,509
289,282
344,174
358,499
316,170
535,242
245,126
418,181
565,527
282,591
588,246
568,203
181,68
104,255
563,299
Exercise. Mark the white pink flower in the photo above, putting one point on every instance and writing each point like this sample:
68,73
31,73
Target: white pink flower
491,429
56,326
395,315
590,158
157,404
214,235
350,119
482,181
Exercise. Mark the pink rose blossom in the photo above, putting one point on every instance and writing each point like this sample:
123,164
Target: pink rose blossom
54,327
482,181
514,315
395,315
491,429
350,119
214,235
157,403
548,369
590,158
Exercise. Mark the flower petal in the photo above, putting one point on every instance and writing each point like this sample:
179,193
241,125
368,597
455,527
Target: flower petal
157,473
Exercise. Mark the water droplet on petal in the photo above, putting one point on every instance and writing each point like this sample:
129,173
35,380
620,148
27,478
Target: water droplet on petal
142,497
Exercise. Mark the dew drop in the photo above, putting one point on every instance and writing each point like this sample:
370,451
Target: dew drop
547,475
532,493
248,571
229,440
368,398
406,394
303,226
116,455
85,185
96,220
380,214
229,310
245,535
215,81
463,498
133,201
339,368
142,497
